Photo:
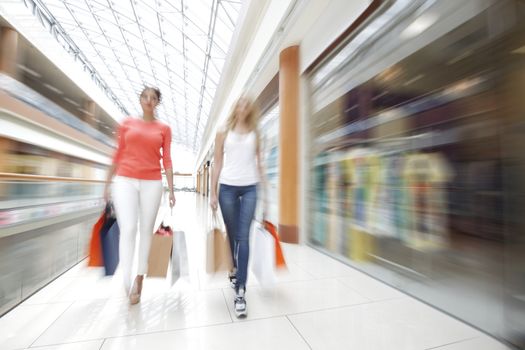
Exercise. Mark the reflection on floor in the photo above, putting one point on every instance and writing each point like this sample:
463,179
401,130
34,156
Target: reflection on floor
319,303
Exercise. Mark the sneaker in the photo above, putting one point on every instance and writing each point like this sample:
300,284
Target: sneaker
240,304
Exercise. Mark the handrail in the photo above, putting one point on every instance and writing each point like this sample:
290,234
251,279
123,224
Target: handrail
27,177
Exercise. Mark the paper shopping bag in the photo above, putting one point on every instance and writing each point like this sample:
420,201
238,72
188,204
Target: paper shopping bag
218,252
95,247
179,257
106,235
263,256
110,246
160,252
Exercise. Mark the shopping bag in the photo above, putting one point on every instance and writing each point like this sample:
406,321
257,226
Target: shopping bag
263,256
218,252
110,246
179,257
279,256
160,252
109,240
95,247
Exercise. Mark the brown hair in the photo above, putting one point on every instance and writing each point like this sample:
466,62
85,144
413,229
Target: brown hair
154,89
252,118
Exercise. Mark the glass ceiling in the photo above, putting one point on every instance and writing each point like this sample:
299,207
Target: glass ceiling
178,46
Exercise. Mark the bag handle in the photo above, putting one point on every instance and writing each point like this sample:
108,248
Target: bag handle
165,222
216,222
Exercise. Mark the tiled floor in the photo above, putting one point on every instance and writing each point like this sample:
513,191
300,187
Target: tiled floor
318,304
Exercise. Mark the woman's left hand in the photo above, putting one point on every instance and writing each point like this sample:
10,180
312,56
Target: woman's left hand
172,199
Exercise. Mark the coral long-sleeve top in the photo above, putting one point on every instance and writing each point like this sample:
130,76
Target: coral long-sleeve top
138,153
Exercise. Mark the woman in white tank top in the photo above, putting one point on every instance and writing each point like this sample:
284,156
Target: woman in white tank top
238,169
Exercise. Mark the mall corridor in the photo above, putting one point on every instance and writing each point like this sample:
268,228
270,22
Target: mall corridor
380,140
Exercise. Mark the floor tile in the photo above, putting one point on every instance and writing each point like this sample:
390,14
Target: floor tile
49,292
302,253
370,288
95,319
89,345
480,343
23,325
292,272
218,280
296,297
325,267
394,324
87,288
82,270
274,334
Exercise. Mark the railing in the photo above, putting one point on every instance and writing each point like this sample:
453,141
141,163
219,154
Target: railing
31,198
29,177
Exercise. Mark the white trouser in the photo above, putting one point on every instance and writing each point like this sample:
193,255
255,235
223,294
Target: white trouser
135,200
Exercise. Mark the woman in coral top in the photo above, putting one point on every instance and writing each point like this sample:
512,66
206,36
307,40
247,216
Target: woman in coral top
137,186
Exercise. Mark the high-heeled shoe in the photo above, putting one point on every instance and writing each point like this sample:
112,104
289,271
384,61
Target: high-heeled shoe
136,290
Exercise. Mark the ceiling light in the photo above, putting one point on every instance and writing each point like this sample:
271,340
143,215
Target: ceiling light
85,111
71,101
416,78
29,70
419,25
52,88
459,57
520,50
389,74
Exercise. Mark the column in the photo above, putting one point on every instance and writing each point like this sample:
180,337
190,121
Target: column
8,51
289,144
5,152
199,181
89,112
205,187
197,184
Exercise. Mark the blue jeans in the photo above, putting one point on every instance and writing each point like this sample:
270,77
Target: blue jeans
238,209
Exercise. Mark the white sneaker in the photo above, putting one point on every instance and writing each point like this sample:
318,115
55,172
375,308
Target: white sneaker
240,304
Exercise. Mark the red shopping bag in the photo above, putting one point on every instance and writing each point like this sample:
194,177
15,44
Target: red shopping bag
279,257
95,245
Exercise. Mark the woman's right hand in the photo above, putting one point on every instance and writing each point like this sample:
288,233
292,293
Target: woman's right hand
214,203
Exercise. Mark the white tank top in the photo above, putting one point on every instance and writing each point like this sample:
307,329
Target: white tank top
239,166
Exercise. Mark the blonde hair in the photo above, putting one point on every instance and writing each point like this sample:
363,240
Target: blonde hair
253,116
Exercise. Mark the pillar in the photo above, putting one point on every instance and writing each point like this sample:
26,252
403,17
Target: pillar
289,144
197,183
205,189
88,113
5,164
8,51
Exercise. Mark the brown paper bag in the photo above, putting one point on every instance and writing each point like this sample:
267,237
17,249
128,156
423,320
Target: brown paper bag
159,255
218,252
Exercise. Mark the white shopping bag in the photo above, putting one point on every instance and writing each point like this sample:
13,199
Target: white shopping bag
179,257
263,256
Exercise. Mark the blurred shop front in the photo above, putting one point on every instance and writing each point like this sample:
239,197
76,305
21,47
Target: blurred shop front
416,159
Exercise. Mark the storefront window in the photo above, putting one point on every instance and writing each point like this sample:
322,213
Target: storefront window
408,164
